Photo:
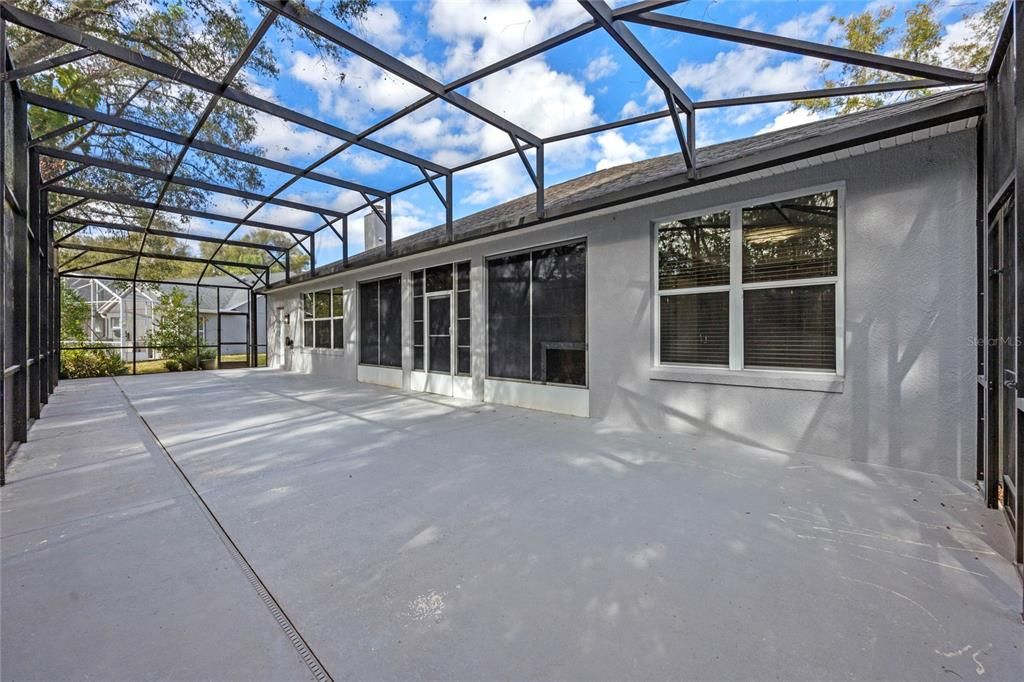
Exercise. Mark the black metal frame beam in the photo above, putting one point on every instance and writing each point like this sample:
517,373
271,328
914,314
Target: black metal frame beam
805,48
93,116
188,236
46,64
176,179
193,80
674,95
206,215
114,251
344,39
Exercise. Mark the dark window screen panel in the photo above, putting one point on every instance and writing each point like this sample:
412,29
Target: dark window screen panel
790,328
307,333
439,278
463,354
417,357
560,314
417,283
307,306
791,239
391,322
695,329
463,332
323,333
369,328
694,252
463,304
339,333
508,316
462,276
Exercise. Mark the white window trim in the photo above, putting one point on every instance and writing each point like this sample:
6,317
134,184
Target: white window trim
302,321
736,373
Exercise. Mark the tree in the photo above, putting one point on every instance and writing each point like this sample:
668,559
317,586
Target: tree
201,36
241,254
74,315
174,329
918,39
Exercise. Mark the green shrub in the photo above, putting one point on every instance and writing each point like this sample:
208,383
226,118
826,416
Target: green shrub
172,365
84,364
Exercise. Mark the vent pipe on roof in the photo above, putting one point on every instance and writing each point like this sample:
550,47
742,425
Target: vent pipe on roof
373,229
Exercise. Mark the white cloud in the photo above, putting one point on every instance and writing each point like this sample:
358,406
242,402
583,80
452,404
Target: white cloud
602,66
383,27
811,26
616,151
788,119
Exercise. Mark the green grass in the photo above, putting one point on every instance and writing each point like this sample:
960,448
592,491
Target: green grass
158,367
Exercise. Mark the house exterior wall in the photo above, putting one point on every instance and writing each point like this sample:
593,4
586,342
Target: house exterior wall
907,397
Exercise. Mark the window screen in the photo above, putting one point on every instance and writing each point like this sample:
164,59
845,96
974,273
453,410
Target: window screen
559,314
462,314
418,334
369,323
323,315
391,322
536,314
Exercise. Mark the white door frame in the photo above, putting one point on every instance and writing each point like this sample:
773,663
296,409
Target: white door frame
437,382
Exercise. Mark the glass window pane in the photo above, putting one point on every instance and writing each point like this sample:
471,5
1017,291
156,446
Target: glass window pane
794,327
559,313
369,328
323,333
391,322
695,329
694,252
307,333
508,316
307,306
339,332
791,239
322,304
439,278
338,306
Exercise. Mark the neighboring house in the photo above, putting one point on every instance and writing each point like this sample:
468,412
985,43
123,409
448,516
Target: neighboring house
110,314
111,305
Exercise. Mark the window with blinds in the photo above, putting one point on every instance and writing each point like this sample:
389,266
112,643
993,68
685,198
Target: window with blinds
693,290
772,302
380,322
323,324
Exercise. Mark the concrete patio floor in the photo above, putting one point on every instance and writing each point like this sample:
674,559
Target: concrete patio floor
411,536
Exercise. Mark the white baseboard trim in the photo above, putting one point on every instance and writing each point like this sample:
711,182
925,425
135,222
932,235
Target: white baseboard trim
560,399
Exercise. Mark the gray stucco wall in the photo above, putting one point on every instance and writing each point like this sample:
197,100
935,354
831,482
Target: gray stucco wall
909,390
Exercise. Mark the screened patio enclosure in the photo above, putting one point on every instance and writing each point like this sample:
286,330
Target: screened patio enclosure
75,216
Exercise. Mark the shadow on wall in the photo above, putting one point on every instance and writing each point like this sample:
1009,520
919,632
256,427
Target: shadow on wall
908,399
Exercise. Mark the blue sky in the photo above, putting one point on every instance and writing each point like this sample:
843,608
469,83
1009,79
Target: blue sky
583,83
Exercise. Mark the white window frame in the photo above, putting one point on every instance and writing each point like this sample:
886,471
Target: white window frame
736,286
310,344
